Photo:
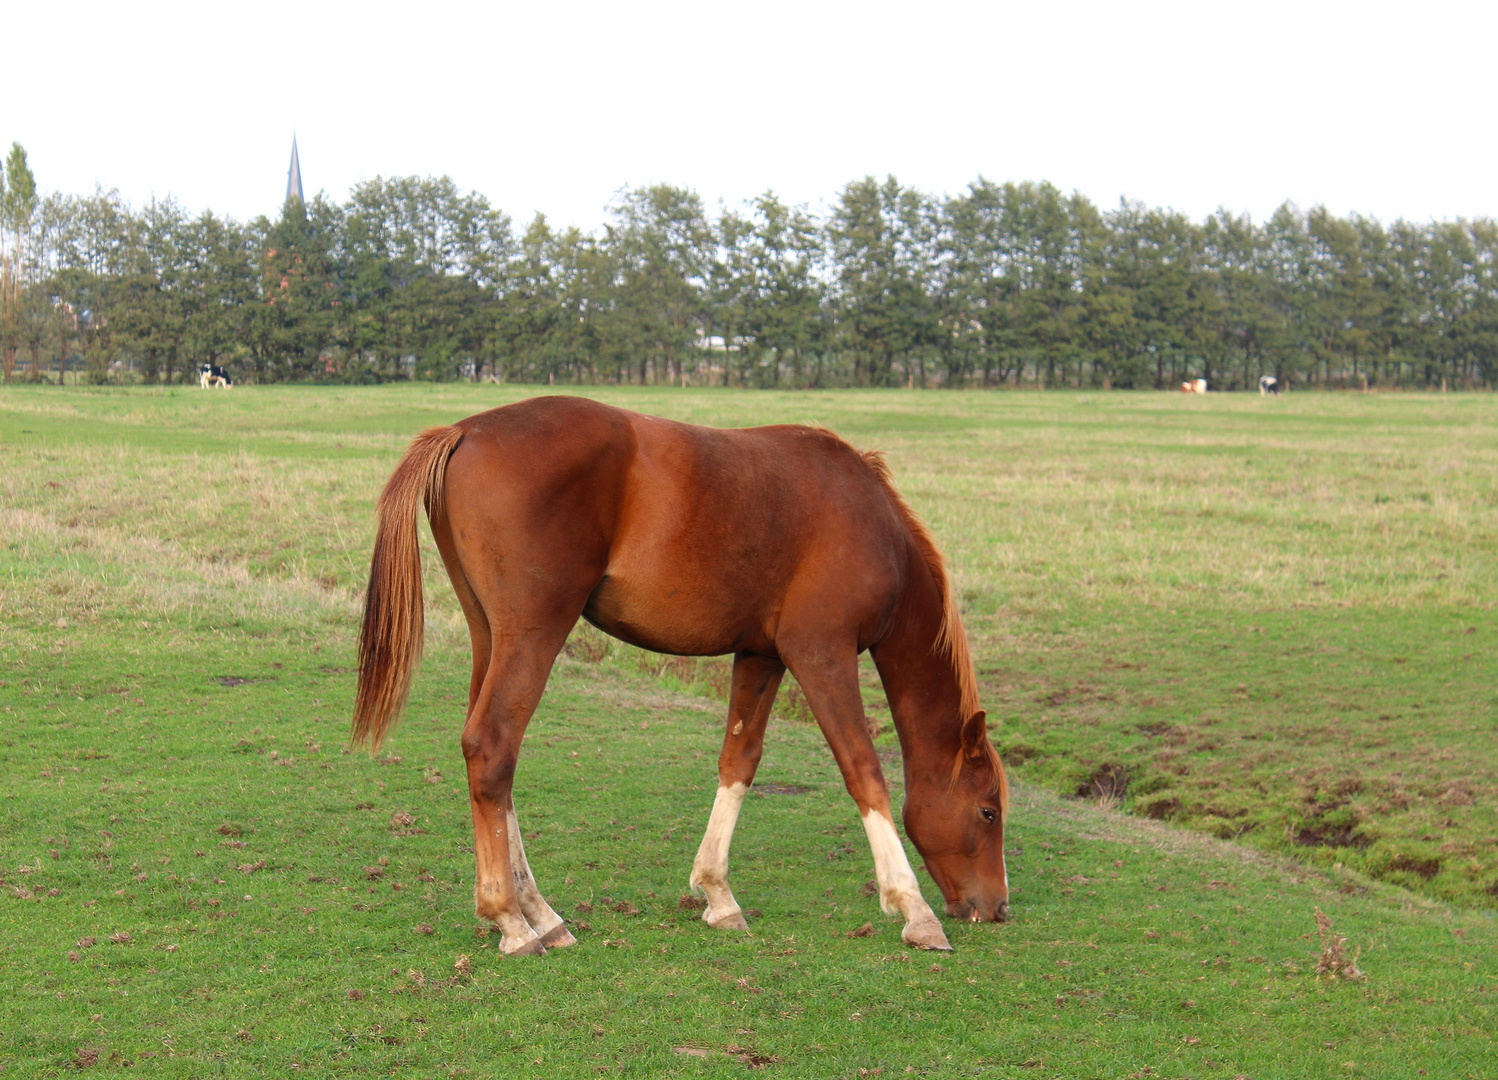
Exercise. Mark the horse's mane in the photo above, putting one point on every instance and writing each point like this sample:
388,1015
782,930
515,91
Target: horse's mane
951,638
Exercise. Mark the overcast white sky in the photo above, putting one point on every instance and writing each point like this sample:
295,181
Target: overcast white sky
1383,109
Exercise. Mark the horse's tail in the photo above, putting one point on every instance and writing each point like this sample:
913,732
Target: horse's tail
390,643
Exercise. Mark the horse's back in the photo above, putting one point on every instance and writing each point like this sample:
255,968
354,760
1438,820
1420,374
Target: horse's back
690,539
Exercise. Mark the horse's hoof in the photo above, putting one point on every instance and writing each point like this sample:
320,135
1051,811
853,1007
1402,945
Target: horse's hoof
527,947
731,921
558,937
926,935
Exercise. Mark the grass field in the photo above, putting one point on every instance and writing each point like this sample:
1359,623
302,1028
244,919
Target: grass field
1267,623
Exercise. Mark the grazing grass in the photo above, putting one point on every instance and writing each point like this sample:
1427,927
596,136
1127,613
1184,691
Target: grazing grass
1269,621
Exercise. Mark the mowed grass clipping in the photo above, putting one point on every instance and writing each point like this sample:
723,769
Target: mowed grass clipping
1267,620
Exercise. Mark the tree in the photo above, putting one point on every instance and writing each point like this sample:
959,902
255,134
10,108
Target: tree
882,240
95,239
784,309
661,246
981,283
409,243
18,204
292,322
1474,331
152,311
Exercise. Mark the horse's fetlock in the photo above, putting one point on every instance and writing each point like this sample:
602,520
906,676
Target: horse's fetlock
486,902
902,900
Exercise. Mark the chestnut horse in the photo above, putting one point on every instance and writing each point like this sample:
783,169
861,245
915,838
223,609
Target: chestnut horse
781,545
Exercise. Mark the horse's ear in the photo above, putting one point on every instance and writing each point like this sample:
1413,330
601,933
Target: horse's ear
973,733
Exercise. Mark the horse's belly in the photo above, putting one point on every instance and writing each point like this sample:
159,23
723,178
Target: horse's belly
673,618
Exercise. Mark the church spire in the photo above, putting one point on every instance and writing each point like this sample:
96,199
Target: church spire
294,174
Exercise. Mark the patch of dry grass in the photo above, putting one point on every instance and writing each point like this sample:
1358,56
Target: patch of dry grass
78,574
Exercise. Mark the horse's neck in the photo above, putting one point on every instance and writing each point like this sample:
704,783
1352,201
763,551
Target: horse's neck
924,691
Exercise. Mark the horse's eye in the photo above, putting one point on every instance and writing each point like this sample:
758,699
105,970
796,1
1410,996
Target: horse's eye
988,814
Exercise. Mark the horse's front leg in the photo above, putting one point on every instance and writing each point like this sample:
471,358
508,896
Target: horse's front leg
830,681
755,680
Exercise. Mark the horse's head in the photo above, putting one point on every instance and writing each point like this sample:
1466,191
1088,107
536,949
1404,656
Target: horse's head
957,824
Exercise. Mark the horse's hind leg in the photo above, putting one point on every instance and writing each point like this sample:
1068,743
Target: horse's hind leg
755,680
829,677
543,920
512,687
546,923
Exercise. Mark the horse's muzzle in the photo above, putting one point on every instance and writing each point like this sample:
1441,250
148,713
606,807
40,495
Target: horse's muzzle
969,911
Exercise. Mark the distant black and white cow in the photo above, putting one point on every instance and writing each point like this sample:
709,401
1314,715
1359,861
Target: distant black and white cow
213,375
1268,384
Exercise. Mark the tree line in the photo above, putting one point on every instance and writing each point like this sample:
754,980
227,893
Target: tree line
1012,284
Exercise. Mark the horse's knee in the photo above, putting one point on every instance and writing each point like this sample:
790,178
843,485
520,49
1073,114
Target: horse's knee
738,764
867,785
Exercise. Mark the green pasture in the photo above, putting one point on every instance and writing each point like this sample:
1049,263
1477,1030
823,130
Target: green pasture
1237,651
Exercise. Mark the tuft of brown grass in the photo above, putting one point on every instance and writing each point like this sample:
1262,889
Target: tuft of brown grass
1334,961
85,1057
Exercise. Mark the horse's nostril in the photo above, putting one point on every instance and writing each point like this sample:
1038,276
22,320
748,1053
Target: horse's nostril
1001,913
